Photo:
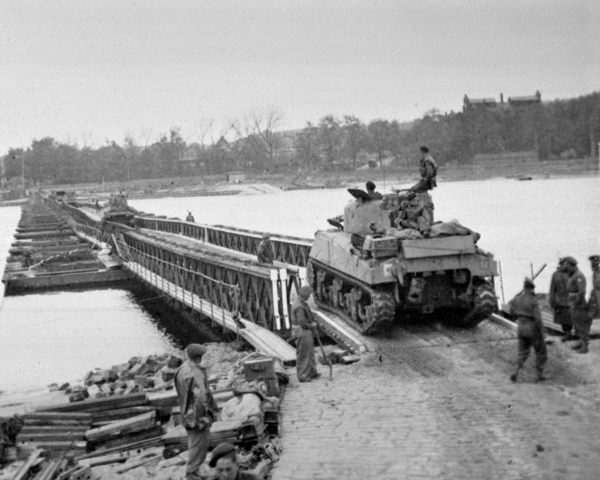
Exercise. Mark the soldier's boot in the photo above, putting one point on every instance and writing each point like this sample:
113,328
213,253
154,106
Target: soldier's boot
515,376
540,376
584,345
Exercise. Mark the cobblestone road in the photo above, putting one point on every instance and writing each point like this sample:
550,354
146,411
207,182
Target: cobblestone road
436,403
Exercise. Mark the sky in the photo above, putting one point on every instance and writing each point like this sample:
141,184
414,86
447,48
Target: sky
88,72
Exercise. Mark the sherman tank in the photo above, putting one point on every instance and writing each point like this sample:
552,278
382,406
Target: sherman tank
382,264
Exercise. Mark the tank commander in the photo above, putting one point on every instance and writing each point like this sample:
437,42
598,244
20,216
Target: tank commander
304,327
577,305
594,302
198,407
526,308
428,169
559,299
413,214
225,462
372,192
266,253
190,217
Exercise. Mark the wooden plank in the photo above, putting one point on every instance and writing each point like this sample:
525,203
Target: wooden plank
438,247
23,472
63,445
83,416
136,446
50,436
134,423
153,433
98,404
59,423
120,413
54,428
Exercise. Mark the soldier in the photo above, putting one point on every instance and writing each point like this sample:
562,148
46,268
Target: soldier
428,170
225,462
371,191
594,303
525,307
303,330
265,253
415,215
577,304
198,408
559,299
190,217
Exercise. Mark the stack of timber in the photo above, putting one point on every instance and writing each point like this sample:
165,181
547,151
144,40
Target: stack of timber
48,253
128,431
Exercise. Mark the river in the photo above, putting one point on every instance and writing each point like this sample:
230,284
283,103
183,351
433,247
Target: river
58,336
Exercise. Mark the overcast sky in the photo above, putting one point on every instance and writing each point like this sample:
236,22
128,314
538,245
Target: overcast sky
97,70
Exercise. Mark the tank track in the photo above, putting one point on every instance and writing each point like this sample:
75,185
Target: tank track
368,317
485,304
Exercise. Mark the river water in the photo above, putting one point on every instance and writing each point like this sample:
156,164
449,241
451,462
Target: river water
58,336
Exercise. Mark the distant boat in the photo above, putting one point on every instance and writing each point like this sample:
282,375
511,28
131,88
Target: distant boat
524,177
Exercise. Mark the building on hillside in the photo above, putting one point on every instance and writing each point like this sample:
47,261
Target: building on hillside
473,103
506,159
525,101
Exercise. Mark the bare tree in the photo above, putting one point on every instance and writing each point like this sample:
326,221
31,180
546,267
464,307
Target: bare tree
260,129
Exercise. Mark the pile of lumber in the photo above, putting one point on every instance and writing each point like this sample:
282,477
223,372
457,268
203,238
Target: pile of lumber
150,374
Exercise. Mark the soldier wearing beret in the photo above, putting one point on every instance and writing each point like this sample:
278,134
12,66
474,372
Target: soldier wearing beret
198,407
266,253
304,327
594,302
559,299
577,305
375,195
525,307
224,461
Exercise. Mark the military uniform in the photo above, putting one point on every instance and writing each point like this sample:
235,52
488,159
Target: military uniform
428,170
578,308
303,326
198,411
525,307
594,303
559,299
265,251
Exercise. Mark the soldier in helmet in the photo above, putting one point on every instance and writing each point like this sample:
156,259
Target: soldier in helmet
559,299
594,302
304,327
266,253
577,304
525,307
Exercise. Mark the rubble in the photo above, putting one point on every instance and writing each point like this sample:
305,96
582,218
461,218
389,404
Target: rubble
127,417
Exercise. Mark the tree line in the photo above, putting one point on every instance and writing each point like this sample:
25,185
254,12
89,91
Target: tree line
557,129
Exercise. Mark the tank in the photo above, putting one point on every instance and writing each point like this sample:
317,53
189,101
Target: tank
384,263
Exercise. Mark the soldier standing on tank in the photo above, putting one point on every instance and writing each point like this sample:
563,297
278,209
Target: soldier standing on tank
559,299
428,169
594,302
526,308
577,304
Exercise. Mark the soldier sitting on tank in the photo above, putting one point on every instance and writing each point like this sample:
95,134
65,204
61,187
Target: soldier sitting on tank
415,215
367,248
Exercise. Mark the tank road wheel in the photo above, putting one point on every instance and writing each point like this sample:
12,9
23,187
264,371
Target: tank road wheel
485,303
382,308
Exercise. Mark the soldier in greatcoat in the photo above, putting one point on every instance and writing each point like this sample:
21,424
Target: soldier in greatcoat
559,299
526,308
304,328
594,302
266,253
577,305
